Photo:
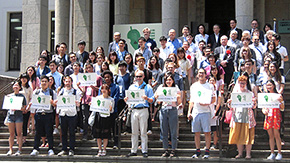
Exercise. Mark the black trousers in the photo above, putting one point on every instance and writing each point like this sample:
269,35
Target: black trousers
68,123
43,126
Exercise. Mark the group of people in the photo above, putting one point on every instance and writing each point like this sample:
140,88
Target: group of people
247,60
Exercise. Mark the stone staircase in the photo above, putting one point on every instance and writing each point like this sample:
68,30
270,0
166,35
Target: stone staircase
186,147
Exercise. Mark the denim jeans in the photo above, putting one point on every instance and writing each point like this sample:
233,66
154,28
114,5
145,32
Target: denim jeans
68,123
168,122
43,126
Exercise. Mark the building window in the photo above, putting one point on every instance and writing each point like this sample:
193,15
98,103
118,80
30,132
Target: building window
52,34
15,36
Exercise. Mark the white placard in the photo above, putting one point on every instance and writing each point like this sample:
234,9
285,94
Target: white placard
167,94
66,102
12,102
87,79
41,102
135,96
243,100
100,104
202,95
268,100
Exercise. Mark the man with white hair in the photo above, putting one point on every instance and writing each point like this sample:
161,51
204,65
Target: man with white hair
150,43
173,40
226,55
233,41
113,46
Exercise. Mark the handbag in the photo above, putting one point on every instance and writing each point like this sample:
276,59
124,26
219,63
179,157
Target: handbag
91,119
228,116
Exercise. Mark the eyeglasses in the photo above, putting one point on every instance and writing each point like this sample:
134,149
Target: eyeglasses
138,76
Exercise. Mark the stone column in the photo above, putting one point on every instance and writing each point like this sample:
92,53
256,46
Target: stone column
122,11
82,23
244,13
34,31
101,24
62,11
170,16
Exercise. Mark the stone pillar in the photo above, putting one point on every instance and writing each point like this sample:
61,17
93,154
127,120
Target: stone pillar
62,11
101,24
170,16
82,24
259,14
34,31
244,13
122,11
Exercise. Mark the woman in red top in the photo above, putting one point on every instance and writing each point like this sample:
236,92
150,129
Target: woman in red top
272,122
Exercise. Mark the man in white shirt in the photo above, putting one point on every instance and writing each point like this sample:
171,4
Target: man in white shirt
282,50
199,112
233,41
68,118
165,48
259,51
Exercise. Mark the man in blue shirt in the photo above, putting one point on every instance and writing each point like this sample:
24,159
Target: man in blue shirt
56,75
121,52
144,50
174,41
140,114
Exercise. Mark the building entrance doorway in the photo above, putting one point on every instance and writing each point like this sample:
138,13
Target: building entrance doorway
219,12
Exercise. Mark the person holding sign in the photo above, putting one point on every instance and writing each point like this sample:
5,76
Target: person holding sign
169,114
14,119
202,95
87,93
103,121
140,114
44,117
243,122
68,116
272,122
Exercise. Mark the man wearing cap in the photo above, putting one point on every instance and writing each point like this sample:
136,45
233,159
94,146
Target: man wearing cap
140,114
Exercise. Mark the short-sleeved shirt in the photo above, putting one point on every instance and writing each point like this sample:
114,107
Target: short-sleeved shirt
45,92
148,92
184,65
197,108
69,112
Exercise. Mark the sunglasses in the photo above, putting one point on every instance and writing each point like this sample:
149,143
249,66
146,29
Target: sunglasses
138,76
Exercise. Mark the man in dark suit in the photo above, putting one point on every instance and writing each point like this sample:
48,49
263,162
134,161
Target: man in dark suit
233,25
255,25
214,39
185,31
226,55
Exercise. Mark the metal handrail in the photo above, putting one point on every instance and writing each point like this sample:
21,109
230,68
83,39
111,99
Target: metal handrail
3,89
118,123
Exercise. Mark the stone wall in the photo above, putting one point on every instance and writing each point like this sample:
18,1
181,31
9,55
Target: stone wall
280,9
5,81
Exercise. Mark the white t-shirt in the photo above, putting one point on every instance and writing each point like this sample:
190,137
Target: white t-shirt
283,52
197,108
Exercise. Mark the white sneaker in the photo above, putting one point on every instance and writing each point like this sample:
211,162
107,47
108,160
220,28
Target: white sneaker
55,131
9,153
34,153
205,156
50,152
149,132
18,153
271,157
278,157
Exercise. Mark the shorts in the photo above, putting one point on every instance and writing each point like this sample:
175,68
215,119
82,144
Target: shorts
15,118
201,122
